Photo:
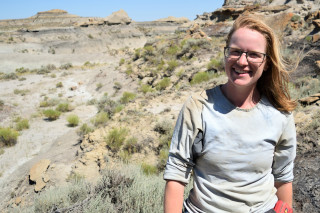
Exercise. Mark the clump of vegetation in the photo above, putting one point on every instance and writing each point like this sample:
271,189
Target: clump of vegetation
66,66
51,114
21,92
163,84
295,18
22,124
172,65
59,84
122,61
8,136
116,138
8,76
125,189
64,107
201,77
149,169
22,70
109,106
99,86
85,129
117,86
45,69
127,97
145,88
89,64
49,102
131,145
215,65
73,120
165,129
100,119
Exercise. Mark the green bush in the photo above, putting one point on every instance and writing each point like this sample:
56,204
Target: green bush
100,119
22,124
115,138
99,86
22,70
49,103
66,66
122,61
163,84
8,136
201,77
163,157
21,92
51,114
84,130
145,88
109,106
132,146
173,50
295,18
129,70
214,64
64,107
127,97
8,76
172,65
59,85
149,169
73,120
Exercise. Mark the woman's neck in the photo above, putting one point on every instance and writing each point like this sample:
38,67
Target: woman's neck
244,98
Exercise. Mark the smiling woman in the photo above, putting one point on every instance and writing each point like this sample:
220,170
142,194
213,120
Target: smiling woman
238,138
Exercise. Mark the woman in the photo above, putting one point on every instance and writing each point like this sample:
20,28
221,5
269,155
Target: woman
238,139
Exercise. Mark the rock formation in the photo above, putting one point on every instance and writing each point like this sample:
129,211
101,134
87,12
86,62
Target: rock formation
38,176
118,17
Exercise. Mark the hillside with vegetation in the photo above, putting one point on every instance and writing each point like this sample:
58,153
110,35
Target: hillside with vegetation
87,107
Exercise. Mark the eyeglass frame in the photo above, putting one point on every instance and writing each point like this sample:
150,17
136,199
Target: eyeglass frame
246,52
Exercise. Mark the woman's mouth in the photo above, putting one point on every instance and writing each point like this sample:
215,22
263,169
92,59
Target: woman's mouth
241,71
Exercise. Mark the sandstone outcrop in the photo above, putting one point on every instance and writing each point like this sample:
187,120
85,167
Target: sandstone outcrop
118,17
38,176
312,99
173,19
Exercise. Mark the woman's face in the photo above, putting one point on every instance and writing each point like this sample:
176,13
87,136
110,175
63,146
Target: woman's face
241,72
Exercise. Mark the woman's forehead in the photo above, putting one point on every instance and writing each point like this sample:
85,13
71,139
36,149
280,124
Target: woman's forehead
248,39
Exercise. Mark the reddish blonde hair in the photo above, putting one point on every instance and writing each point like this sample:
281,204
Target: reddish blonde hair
274,81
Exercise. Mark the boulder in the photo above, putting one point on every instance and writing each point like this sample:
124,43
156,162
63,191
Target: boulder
118,17
310,100
316,38
38,174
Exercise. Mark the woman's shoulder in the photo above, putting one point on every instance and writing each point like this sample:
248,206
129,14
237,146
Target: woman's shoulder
266,106
204,96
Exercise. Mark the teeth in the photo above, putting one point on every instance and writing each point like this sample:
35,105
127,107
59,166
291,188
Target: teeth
240,71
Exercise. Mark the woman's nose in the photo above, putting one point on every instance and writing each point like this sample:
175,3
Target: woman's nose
243,59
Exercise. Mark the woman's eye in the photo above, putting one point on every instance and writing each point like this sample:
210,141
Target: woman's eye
235,52
254,55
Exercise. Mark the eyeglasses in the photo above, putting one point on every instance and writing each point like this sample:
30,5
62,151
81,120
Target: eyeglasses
235,54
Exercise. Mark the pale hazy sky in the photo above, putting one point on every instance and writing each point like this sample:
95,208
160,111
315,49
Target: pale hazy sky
138,10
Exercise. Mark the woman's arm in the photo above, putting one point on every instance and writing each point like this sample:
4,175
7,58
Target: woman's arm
284,192
173,197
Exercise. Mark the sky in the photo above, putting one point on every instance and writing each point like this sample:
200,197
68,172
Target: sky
138,10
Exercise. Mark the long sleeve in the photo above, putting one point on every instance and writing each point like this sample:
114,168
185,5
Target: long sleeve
189,123
285,153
